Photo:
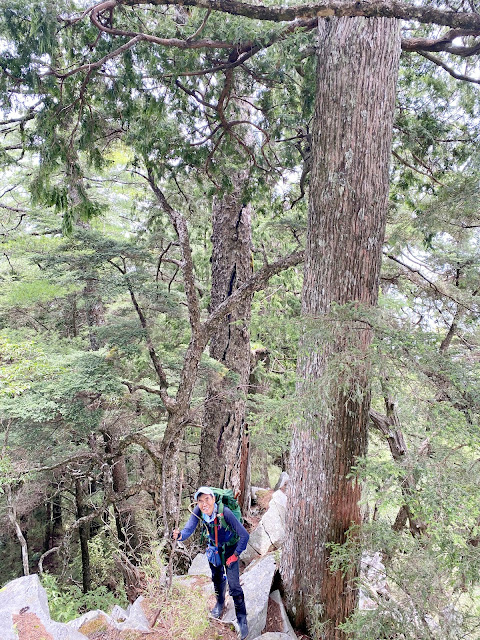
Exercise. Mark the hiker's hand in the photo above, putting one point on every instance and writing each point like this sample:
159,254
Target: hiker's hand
231,560
176,534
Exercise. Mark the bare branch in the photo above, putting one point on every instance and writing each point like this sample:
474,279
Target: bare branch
83,456
180,226
141,387
427,173
429,282
450,70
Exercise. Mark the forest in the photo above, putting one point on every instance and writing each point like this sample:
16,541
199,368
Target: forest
239,239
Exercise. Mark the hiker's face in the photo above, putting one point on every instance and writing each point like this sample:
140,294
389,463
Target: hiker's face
206,503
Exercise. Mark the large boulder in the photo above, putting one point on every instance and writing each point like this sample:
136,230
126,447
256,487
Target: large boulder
26,596
133,619
256,581
274,519
270,532
200,566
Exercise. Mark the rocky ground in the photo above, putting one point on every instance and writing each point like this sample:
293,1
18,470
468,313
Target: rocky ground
179,613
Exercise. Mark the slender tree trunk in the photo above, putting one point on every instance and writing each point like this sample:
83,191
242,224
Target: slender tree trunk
357,68
57,519
224,456
95,311
12,516
84,534
256,387
47,540
124,513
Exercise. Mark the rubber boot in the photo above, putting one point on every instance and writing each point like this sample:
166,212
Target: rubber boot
242,625
241,612
220,593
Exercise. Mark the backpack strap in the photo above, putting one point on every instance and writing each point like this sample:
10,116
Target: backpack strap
220,515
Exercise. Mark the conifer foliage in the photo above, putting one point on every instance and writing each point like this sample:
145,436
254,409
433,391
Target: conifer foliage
168,167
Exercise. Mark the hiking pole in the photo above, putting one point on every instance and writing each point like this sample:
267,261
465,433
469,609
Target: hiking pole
170,562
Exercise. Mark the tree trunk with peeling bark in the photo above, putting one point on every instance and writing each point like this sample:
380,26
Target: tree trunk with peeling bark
357,68
224,456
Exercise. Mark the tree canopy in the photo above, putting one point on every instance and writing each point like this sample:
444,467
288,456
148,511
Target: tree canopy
124,124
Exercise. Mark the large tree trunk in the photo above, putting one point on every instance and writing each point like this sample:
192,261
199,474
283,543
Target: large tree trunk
224,457
357,69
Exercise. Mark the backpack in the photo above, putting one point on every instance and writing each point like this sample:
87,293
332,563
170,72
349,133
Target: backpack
225,498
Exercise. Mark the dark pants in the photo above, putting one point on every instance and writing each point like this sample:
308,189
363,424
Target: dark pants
233,576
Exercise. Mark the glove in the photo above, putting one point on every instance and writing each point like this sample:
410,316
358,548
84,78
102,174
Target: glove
233,558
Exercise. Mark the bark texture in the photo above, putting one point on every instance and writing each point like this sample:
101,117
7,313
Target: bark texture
357,67
224,444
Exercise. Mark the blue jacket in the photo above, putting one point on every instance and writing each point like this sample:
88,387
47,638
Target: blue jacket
224,535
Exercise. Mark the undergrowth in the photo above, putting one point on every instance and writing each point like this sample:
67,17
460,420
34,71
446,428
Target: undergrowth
67,602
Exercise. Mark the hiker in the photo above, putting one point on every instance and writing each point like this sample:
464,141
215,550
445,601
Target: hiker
227,539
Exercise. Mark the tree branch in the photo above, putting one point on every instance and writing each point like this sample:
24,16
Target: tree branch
190,43
427,173
444,43
257,282
450,70
328,8
431,284
181,228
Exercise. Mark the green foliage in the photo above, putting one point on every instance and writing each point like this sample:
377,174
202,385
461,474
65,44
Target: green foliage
6,471
21,364
74,156
67,602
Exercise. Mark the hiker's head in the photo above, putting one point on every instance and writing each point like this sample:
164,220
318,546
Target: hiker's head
205,500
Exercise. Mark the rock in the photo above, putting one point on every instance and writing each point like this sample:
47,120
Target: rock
255,490
373,580
260,540
274,635
287,629
133,619
282,481
200,566
256,581
137,620
118,614
92,622
273,522
27,595
280,500
192,582
270,532
249,555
